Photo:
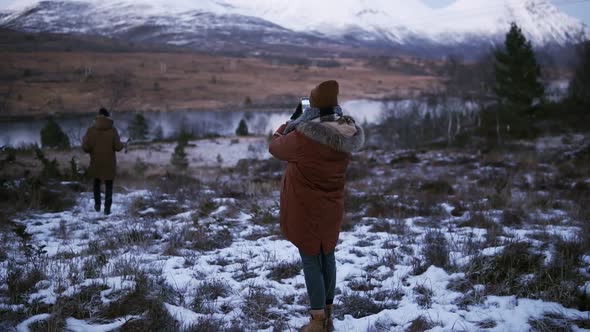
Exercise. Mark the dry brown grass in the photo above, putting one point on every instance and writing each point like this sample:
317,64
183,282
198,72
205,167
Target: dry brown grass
258,307
285,270
55,81
207,294
551,322
435,251
358,305
421,323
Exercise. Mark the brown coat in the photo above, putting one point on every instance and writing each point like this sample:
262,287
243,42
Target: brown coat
102,141
312,193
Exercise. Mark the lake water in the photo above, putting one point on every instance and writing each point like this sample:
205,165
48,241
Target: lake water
24,131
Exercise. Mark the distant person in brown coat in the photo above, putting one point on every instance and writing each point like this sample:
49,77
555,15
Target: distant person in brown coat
317,143
102,141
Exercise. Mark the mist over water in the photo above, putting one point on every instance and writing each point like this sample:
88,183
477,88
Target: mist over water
20,132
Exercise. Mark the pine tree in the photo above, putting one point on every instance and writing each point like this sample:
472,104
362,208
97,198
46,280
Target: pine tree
50,168
242,129
74,169
517,71
580,84
138,128
179,158
184,135
53,136
158,133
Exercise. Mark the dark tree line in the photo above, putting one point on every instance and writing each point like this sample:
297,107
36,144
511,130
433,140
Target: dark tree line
508,93
579,89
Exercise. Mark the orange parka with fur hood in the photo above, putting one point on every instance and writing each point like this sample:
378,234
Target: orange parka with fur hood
312,194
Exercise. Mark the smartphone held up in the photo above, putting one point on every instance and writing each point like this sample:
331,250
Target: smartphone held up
305,104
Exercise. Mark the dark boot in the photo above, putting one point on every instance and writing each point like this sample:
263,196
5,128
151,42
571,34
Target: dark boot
97,195
329,317
108,197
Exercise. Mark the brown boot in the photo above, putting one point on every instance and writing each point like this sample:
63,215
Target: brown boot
317,323
329,320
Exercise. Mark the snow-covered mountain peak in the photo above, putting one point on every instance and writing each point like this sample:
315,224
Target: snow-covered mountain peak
388,23
542,21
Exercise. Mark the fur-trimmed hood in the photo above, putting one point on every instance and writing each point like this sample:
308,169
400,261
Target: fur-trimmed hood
310,115
335,134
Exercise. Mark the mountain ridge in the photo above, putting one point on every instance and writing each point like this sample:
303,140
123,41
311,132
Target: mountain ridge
218,25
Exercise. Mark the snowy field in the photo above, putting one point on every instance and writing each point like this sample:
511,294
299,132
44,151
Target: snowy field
432,240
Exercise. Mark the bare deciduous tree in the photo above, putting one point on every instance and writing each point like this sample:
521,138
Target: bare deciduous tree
88,72
470,81
77,132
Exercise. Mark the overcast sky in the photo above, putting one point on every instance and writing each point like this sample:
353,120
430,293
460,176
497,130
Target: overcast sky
579,9
576,8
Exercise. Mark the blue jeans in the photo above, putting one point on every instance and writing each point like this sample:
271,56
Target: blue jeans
320,278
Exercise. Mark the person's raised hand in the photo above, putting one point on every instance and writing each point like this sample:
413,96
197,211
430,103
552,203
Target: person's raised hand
298,112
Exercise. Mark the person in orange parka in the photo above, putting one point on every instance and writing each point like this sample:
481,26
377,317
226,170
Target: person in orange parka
317,144
102,142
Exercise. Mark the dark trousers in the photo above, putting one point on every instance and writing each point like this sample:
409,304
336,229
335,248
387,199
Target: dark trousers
320,278
108,193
